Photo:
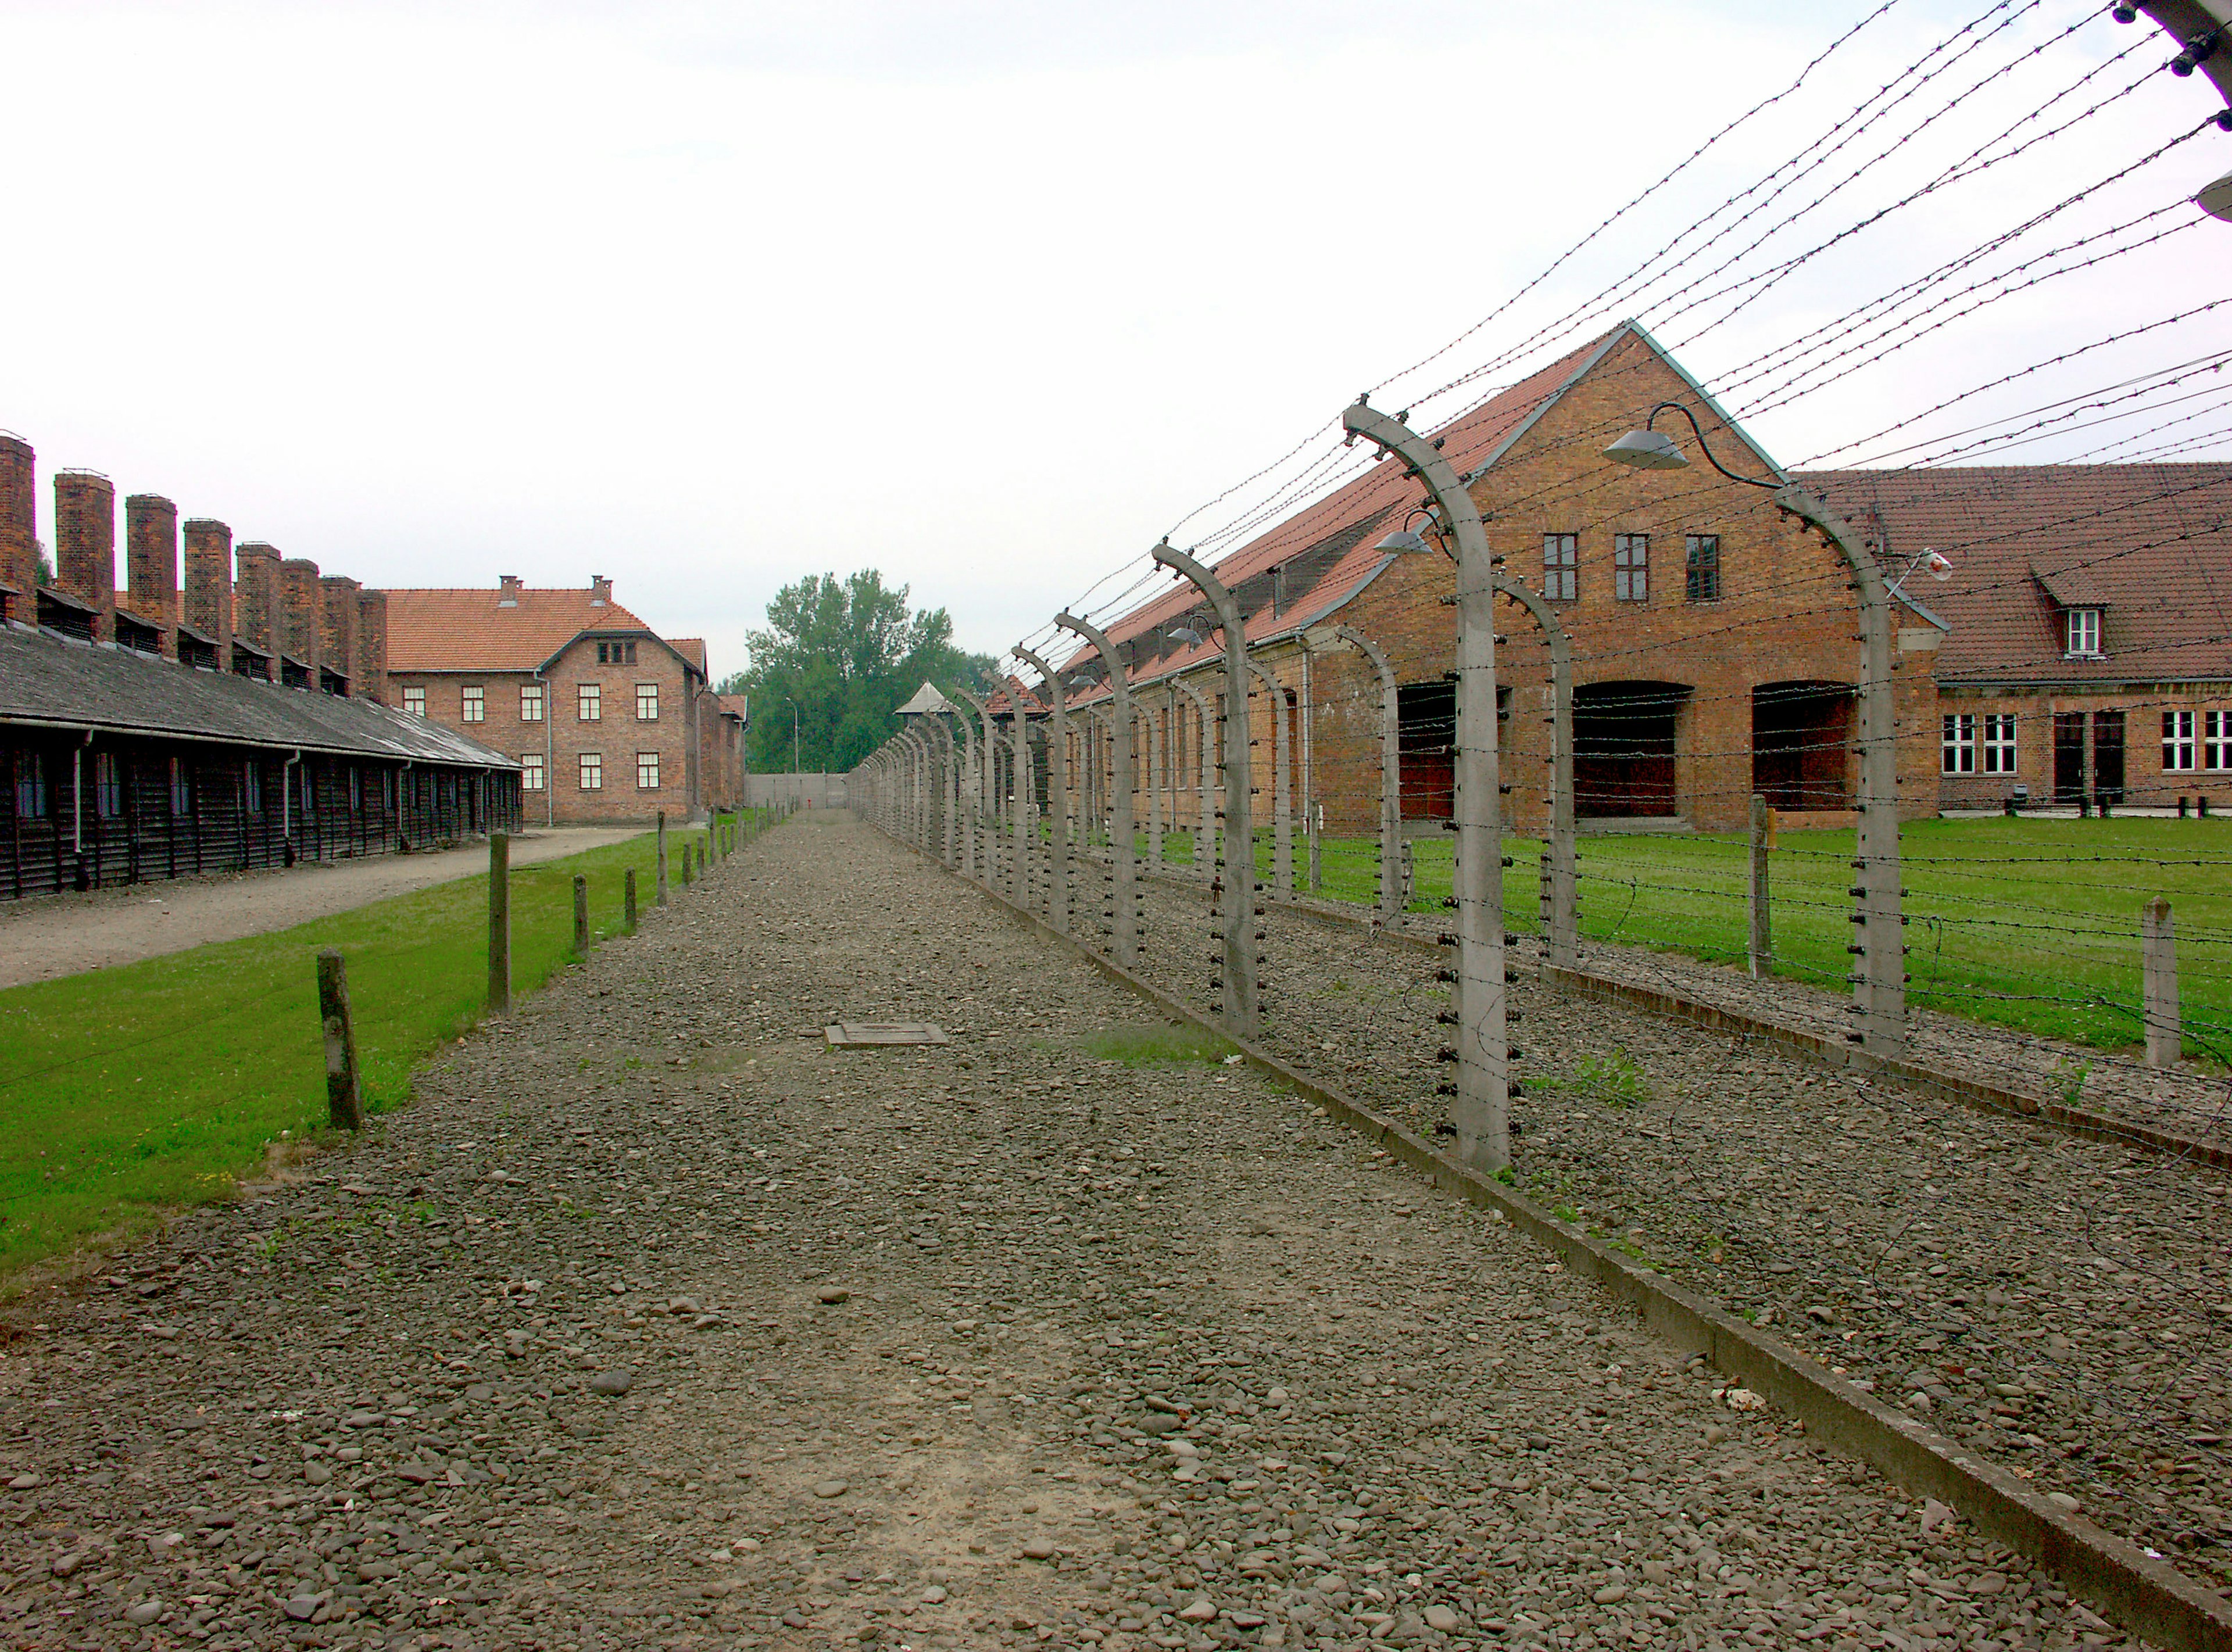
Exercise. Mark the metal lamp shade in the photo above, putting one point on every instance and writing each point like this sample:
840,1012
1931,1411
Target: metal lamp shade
1647,450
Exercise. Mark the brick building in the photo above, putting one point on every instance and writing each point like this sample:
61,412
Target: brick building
609,721
208,726
1715,640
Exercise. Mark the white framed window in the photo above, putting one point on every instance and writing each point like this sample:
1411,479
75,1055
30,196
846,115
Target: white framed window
530,771
2177,742
592,771
2081,636
591,702
2217,740
414,702
1957,744
530,702
472,703
1997,742
1631,567
647,771
646,702
1561,572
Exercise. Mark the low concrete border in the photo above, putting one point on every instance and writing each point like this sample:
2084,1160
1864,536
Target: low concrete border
2147,1596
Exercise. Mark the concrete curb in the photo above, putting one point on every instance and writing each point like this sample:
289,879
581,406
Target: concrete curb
2146,1595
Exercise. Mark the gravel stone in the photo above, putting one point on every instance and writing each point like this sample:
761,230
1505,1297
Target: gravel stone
1355,1362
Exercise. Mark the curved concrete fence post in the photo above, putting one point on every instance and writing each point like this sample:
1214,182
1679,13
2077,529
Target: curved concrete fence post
1123,864
1154,766
1391,769
1559,938
1238,984
1057,746
1205,826
1282,820
1482,1112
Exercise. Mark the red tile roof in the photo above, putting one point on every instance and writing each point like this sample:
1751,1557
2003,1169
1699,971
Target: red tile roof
692,649
1380,494
471,631
735,705
2151,545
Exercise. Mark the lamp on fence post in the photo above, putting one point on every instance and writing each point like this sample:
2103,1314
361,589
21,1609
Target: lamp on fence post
1325,638
1123,868
1879,984
1057,790
1483,1110
1237,982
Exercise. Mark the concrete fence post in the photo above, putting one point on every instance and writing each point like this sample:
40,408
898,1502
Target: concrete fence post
1155,764
2159,973
628,900
582,915
1123,863
1282,825
1205,826
662,858
1057,745
1759,946
1237,982
499,914
1481,1108
344,1107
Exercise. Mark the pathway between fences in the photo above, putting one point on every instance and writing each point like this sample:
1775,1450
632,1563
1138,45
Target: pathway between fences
655,1321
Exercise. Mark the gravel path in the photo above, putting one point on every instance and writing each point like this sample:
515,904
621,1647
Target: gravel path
997,1342
66,935
2063,1306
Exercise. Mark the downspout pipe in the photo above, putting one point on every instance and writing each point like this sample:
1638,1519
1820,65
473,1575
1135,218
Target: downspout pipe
287,807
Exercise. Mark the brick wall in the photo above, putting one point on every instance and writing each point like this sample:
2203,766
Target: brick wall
370,674
2149,780
255,604
615,738
85,543
209,584
337,625
301,613
19,526
1785,615
151,534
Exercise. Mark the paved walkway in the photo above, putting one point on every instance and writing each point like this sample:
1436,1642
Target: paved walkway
66,935
653,1322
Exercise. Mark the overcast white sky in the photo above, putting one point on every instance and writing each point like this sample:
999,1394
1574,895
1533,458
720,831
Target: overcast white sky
706,297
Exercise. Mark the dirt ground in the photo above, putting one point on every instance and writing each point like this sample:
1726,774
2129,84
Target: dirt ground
653,1322
64,934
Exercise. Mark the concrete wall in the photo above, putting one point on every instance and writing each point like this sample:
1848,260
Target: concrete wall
815,791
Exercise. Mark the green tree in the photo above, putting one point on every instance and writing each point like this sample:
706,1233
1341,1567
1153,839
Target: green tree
846,652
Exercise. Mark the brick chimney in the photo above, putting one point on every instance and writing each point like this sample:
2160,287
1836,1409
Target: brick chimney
255,598
151,536
85,544
209,585
600,590
508,587
337,638
301,616
19,528
370,682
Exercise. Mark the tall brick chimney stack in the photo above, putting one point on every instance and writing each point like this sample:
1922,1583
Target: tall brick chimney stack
301,614
151,534
337,638
85,544
209,584
369,681
256,596
600,590
19,528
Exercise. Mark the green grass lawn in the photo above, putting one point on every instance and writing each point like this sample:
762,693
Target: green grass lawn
124,1090
2030,923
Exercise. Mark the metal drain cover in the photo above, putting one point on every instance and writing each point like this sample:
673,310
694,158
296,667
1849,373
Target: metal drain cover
867,1035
